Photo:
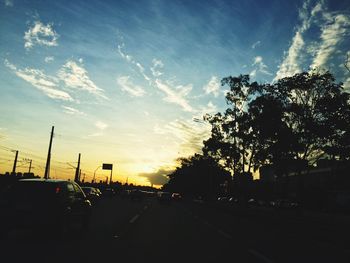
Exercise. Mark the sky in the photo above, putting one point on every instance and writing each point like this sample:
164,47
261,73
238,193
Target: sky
123,82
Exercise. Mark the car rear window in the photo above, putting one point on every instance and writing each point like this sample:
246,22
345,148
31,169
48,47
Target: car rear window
33,190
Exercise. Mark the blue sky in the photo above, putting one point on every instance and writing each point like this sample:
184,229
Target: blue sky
122,81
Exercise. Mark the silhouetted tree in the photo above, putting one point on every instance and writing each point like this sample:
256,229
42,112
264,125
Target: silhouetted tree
290,123
197,175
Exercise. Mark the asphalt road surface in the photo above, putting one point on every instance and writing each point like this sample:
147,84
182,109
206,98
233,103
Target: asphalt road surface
123,230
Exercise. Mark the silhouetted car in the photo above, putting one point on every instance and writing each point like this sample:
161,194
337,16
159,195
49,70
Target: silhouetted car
286,204
51,206
223,199
176,196
108,192
164,196
91,193
136,194
98,191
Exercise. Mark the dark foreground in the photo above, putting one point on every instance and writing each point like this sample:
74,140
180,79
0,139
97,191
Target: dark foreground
123,230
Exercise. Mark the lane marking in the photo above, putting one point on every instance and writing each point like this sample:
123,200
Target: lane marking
224,234
206,223
260,256
132,220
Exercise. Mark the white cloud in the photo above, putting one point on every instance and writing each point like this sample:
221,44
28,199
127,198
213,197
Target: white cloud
260,66
101,125
47,84
8,3
188,134
256,44
290,64
155,69
257,60
175,95
209,109
129,87
333,32
40,34
158,177
72,111
49,59
96,134
347,84
76,77
131,60
213,86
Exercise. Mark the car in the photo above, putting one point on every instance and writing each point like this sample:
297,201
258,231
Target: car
108,192
176,197
164,196
286,204
136,194
47,206
91,193
98,191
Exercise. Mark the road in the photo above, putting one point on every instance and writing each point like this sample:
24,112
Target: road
188,231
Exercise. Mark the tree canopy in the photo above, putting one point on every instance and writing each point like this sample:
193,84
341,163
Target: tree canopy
296,120
290,124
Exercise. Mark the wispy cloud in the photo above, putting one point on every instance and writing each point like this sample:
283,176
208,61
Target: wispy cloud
157,65
101,125
40,34
49,59
8,3
210,108
259,67
213,86
173,93
47,84
131,60
333,32
188,134
71,111
256,44
176,94
96,134
291,62
129,87
75,76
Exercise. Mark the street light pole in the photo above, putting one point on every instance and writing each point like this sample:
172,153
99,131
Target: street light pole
93,180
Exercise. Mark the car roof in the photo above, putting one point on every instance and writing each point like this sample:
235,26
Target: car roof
44,180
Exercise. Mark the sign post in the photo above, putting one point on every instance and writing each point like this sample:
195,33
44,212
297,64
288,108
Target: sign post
108,166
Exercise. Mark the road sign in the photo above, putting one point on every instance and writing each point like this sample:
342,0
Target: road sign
107,166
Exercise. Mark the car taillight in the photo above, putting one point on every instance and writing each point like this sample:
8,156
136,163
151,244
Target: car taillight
57,190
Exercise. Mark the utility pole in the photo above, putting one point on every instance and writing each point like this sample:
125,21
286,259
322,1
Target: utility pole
30,166
110,180
77,171
94,179
47,167
15,164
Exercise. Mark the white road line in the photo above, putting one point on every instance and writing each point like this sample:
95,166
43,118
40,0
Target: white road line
206,223
260,256
132,220
224,234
